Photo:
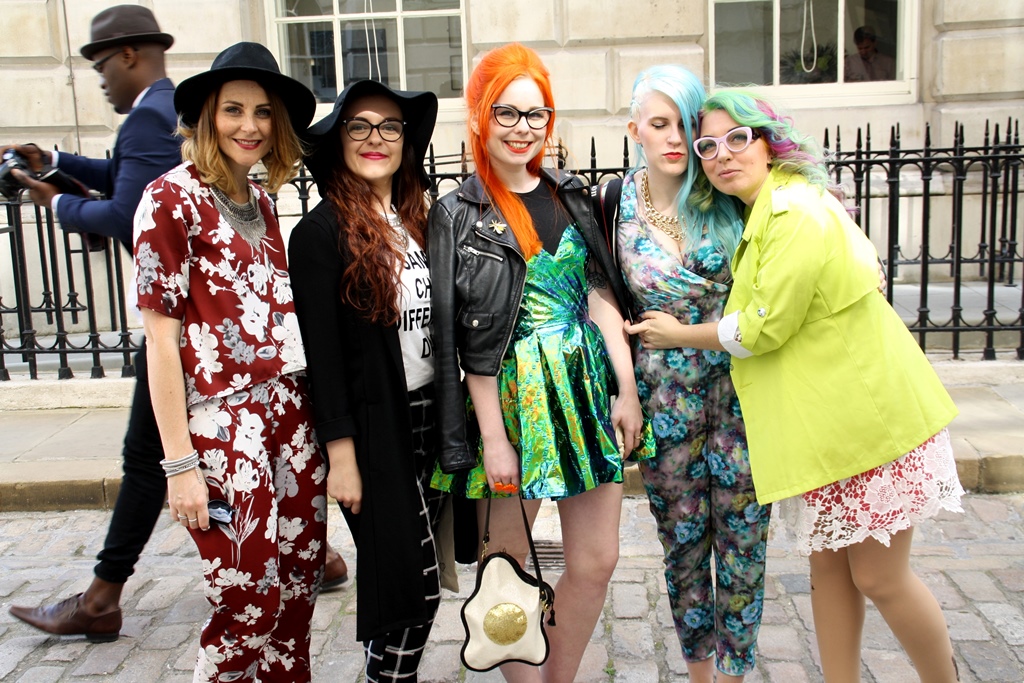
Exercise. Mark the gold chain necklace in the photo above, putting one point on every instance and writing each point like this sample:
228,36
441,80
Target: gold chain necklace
668,225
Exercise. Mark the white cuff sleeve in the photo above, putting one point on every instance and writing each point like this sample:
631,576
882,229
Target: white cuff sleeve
54,156
53,204
729,336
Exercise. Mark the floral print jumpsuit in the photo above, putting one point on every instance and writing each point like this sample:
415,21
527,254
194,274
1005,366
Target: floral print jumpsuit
699,485
249,418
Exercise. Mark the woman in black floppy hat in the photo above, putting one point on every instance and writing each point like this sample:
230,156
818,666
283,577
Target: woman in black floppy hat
245,475
362,294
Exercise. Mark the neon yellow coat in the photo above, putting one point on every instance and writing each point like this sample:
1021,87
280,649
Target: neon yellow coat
836,384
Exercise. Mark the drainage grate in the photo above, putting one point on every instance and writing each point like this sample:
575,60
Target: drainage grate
550,554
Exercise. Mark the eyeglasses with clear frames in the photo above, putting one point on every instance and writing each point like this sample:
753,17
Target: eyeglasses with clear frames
736,140
508,117
390,130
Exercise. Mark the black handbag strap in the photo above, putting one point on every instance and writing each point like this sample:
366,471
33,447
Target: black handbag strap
606,207
605,199
547,594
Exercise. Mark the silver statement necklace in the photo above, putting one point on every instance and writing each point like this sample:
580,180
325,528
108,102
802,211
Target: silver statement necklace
246,219
401,235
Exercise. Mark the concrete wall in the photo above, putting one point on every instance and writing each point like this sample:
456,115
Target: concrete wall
975,64
969,62
51,94
968,65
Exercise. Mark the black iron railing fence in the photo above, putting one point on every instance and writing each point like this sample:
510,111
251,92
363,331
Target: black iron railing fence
946,220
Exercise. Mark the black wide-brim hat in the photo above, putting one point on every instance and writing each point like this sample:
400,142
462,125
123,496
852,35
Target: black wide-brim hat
124,25
419,111
245,62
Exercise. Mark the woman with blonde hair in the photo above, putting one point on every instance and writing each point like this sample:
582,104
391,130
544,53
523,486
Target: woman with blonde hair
675,260
245,476
523,305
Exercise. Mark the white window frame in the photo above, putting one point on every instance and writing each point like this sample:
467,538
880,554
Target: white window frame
814,95
445,105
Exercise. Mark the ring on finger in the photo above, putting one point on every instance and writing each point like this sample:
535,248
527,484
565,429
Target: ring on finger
191,519
182,517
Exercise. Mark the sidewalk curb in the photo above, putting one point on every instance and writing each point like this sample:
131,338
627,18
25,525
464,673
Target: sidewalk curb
983,452
43,394
988,474
49,496
116,392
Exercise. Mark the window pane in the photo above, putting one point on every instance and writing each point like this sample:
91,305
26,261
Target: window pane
304,8
417,5
872,36
367,6
307,55
808,41
743,42
433,55
369,49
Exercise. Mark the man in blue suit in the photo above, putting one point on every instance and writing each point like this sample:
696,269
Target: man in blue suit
127,49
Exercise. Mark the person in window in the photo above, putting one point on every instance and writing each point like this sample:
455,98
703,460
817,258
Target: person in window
846,420
674,258
362,293
244,473
868,64
522,305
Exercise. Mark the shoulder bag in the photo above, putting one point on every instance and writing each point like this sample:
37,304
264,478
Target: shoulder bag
504,617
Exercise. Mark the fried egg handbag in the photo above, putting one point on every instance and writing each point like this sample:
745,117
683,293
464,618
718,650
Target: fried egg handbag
504,615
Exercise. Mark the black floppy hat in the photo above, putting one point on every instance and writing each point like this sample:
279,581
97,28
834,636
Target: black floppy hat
124,25
419,111
245,62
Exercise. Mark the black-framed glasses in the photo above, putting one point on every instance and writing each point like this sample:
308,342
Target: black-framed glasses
390,130
736,140
508,117
220,512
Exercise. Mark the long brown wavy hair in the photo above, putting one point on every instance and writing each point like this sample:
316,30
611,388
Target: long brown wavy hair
370,281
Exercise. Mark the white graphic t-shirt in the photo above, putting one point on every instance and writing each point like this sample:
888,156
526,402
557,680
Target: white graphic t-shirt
414,304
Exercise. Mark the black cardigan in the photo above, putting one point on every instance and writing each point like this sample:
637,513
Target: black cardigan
358,388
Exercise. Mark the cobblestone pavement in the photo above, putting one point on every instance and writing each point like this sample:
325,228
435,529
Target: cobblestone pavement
974,563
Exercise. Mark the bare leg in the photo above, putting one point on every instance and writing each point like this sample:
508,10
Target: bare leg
590,537
883,574
838,608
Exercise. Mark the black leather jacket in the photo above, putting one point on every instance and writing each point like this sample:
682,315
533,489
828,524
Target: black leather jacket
477,275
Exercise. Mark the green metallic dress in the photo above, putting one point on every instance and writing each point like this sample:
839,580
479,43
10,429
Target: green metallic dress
554,384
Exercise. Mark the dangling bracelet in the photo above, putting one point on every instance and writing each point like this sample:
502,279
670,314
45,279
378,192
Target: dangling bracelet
176,467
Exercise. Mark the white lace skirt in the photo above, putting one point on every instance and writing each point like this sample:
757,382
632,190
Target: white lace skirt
877,503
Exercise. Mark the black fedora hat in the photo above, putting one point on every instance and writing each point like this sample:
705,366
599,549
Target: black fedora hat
124,25
245,62
419,110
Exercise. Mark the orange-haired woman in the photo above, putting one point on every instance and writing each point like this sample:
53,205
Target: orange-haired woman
522,302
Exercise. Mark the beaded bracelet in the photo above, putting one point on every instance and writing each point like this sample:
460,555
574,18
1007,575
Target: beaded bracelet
180,465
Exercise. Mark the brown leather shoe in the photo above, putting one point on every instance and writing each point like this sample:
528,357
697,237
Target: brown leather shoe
335,570
68,618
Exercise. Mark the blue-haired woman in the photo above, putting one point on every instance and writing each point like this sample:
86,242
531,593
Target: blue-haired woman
845,416
675,260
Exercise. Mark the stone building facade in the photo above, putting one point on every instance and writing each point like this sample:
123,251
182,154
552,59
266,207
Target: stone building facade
954,61
957,60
